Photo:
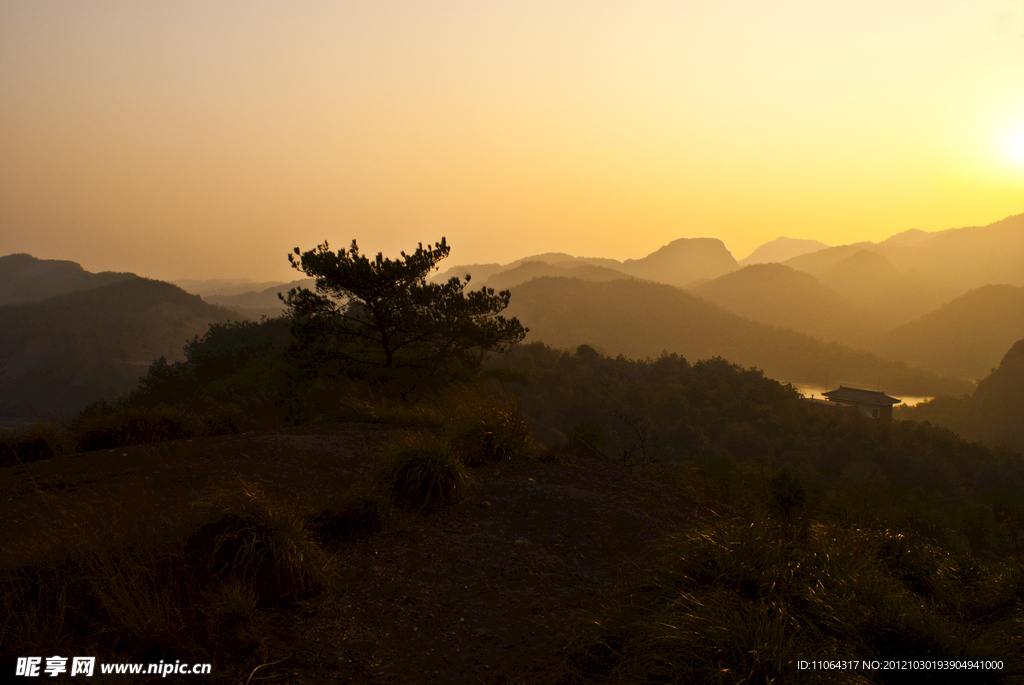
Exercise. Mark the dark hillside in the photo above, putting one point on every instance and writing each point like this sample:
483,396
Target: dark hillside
641,320
62,353
23,278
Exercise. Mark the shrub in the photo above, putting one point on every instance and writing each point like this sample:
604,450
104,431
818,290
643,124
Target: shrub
494,431
423,471
109,427
35,443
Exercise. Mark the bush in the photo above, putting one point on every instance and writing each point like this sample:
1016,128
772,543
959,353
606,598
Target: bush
111,426
35,443
423,471
493,431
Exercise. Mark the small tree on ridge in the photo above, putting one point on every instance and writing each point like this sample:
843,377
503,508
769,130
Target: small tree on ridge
383,313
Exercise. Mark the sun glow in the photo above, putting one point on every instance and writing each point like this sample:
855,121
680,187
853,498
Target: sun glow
1016,147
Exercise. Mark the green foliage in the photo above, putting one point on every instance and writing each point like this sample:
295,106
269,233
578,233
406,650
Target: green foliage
739,602
382,314
423,471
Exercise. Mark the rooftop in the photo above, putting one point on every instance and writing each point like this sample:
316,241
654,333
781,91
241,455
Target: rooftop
843,394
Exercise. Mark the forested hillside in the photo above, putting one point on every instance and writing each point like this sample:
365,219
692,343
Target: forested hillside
60,354
639,320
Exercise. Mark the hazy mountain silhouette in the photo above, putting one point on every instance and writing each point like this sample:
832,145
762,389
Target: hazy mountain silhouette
529,270
818,263
870,280
964,337
683,262
781,249
959,259
639,319
482,272
479,272
23,278
253,305
779,295
224,286
60,354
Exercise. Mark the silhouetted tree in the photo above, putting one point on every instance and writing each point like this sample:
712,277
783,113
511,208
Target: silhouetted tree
383,313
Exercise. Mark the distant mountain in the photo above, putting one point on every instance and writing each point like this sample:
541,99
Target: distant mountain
529,270
479,272
61,354
482,272
818,263
964,337
639,319
959,259
871,281
683,262
224,286
779,295
24,278
253,305
781,249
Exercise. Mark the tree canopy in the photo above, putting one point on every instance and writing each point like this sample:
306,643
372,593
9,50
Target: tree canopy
383,313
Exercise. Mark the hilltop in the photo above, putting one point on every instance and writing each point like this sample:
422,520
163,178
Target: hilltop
23,278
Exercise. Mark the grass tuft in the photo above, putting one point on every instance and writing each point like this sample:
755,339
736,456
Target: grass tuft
423,471
259,542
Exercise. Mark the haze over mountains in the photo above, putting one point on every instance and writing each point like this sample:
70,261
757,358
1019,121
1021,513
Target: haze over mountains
866,295
919,313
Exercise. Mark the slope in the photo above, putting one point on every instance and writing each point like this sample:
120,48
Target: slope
60,354
781,249
964,337
640,319
779,295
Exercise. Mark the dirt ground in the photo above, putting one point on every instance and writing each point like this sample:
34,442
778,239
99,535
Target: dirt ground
486,591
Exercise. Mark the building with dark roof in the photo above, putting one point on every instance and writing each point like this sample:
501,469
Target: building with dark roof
874,405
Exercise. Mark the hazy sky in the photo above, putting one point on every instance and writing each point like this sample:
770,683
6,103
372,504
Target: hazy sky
206,139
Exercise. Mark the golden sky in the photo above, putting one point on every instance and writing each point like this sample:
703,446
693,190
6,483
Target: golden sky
207,138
